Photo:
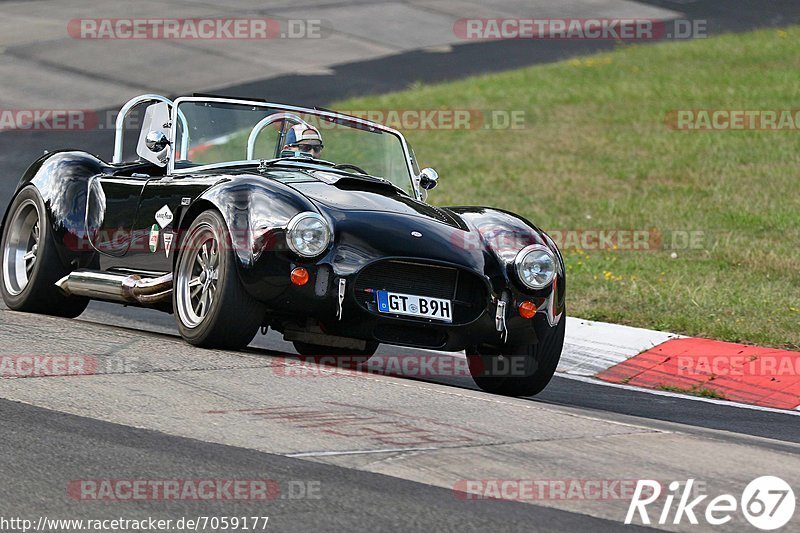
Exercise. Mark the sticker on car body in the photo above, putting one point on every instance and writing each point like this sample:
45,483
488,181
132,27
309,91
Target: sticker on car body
164,217
168,238
154,238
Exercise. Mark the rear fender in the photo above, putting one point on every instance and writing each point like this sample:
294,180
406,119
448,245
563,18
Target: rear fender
62,178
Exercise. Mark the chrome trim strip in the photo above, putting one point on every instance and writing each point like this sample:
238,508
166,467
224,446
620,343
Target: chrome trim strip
342,291
552,318
500,319
212,166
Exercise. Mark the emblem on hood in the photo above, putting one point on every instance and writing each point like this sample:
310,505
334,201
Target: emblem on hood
416,234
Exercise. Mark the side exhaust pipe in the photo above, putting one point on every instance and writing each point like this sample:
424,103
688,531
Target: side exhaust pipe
130,288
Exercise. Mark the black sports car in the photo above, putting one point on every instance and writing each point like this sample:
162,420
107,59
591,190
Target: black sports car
241,214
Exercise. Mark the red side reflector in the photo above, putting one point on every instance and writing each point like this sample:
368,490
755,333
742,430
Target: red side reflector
299,276
527,309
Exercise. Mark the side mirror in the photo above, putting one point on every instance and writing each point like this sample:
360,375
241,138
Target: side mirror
428,178
153,142
156,141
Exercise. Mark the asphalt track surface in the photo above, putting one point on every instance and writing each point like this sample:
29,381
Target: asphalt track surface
45,448
599,398
352,500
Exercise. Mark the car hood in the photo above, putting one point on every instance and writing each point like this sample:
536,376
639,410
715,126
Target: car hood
373,220
358,195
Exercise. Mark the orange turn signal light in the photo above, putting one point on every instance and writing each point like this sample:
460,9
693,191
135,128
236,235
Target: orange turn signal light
527,309
299,276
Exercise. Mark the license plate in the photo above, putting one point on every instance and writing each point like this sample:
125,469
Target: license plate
410,305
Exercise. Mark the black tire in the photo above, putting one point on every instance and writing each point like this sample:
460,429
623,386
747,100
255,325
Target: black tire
531,366
230,317
29,285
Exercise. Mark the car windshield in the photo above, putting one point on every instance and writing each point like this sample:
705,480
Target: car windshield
222,132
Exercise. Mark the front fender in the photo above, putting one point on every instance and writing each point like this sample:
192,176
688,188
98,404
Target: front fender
504,234
256,211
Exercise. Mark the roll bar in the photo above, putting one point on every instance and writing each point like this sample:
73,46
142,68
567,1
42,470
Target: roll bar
263,123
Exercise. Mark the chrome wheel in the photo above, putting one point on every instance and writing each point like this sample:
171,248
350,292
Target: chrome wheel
21,247
212,308
198,276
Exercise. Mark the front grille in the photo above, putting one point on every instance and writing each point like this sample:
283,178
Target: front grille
409,278
465,289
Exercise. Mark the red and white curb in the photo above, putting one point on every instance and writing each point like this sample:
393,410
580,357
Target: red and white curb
717,370
592,347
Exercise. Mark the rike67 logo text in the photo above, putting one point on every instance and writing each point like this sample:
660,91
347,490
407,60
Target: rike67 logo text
767,503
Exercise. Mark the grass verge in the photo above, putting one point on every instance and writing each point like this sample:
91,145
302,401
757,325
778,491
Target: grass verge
695,390
595,154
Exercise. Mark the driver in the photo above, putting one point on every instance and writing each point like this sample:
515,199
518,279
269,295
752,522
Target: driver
303,140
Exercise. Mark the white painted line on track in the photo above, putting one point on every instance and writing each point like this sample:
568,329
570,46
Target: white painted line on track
359,452
655,392
594,381
592,347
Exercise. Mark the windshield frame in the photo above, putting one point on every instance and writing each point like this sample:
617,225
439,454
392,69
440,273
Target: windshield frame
172,171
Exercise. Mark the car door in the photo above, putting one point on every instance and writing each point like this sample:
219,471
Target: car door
155,235
111,211
114,222
162,205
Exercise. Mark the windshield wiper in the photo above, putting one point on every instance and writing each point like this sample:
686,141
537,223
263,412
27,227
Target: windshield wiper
266,163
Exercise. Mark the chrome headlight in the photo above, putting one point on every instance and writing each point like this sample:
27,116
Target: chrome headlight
536,266
308,234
